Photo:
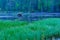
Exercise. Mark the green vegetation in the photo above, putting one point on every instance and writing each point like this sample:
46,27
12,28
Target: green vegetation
9,23
33,31
30,5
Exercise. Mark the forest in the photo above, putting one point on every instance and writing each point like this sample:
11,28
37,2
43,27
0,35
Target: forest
30,5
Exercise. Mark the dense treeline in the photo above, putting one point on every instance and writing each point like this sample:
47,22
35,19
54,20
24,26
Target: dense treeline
30,5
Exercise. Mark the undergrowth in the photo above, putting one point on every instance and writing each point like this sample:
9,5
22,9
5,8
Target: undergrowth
34,31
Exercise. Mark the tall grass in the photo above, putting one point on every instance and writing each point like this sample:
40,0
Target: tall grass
34,31
9,23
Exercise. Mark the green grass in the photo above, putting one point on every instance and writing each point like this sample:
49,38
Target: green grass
33,31
9,23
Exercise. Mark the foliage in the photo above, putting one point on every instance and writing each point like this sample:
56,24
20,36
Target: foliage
9,23
33,31
30,5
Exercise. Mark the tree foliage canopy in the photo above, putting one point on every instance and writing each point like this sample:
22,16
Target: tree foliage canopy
30,5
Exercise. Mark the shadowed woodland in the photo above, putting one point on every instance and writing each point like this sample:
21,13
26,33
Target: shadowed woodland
30,5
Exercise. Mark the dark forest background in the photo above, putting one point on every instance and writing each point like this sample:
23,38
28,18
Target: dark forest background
30,5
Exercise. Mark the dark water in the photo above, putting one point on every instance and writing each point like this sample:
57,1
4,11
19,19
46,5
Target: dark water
27,16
